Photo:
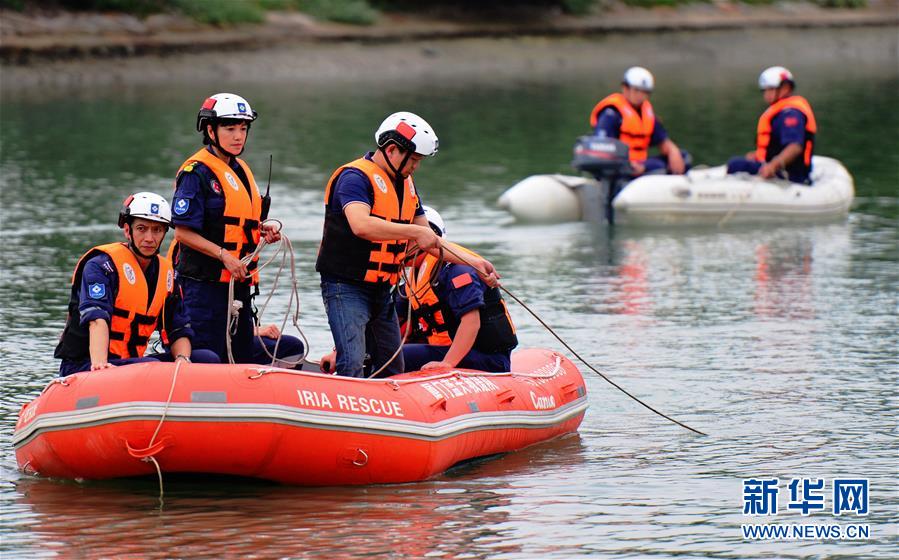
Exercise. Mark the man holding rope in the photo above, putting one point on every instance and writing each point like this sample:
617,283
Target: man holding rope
372,212
464,322
218,216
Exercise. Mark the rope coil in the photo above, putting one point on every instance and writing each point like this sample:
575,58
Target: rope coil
284,249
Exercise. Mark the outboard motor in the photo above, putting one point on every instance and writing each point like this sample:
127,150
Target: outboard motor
606,159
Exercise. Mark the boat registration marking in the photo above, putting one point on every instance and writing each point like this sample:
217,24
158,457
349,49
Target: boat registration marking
454,387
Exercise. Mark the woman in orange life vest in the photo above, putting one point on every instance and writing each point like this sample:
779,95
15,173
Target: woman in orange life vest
122,292
217,212
372,211
459,320
629,117
785,135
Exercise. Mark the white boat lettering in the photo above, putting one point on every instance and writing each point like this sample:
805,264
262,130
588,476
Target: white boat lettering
458,387
432,390
366,405
543,403
28,415
314,398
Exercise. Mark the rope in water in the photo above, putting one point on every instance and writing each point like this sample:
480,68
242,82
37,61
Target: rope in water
570,349
165,412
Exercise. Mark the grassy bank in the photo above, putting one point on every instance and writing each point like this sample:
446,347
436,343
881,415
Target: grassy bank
359,12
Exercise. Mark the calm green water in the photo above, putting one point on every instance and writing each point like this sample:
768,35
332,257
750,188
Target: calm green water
779,342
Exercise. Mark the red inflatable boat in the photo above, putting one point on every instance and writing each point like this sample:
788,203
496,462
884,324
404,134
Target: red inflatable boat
293,427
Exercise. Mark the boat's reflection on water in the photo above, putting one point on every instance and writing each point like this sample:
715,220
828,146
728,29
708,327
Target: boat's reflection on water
464,511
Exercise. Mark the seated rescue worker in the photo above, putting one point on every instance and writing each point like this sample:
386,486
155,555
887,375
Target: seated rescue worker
122,292
785,135
629,117
464,321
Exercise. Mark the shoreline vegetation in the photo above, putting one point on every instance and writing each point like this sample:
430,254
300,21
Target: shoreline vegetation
361,12
34,32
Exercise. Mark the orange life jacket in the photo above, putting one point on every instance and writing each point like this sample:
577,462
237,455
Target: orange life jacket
346,255
425,304
636,128
763,133
133,318
437,320
243,209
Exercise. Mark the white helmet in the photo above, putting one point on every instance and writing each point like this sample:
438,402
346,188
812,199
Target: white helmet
408,131
224,106
146,205
435,220
639,78
775,76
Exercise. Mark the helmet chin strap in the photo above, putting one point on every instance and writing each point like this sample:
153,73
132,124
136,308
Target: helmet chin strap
396,172
137,252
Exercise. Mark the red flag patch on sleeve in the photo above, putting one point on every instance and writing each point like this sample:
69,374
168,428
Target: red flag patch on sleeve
462,280
791,121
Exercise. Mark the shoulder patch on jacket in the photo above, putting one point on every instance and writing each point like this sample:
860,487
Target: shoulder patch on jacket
462,280
181,206
189,167
96,291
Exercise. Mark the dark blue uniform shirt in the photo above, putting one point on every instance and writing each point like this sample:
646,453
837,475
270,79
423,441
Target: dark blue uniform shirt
788,127
353,185
468,296
199,198
100,286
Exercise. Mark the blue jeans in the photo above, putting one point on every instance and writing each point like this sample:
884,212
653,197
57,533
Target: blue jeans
362,319
417,355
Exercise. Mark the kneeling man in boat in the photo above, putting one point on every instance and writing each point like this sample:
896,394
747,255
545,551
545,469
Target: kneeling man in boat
628,116
785,136
460,320
121,293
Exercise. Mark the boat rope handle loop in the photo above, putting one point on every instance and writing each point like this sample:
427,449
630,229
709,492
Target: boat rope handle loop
64,381
570,349
145,453
363,460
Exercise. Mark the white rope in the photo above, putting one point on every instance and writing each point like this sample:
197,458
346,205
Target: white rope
285,250
159,475
412,294
168,401
417,379
165,411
